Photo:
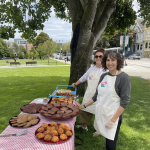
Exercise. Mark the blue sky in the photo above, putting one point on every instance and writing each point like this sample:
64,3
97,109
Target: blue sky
60,30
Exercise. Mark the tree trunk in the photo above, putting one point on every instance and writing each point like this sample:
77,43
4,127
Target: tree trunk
92,16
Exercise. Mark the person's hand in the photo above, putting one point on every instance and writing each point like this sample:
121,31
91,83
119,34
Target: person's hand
109,124
73,85
80,106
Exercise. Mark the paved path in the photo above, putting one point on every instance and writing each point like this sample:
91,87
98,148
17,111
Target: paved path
138,68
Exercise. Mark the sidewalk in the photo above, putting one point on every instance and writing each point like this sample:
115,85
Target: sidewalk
19,66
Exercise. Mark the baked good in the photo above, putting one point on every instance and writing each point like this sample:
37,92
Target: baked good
60,112
55,139
41,129
53,123
63,136
64,108
67,128
63,104
68,133
40,135
54,132
44,125
51,112
47,137
60,130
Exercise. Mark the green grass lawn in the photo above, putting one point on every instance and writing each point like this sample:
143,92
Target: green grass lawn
19,86
39,62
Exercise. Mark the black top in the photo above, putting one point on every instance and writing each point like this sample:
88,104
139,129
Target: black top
122,88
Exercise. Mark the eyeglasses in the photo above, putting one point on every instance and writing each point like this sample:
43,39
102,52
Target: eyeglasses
100,56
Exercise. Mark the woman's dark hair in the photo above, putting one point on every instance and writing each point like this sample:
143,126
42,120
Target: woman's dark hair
114,55
98,50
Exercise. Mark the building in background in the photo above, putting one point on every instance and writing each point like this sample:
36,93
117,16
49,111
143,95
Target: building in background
146,40
21,42
138,43
29,46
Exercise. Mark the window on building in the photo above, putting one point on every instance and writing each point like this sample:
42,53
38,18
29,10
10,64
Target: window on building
137,36
138,47
141,47
146,45
133,47
149,44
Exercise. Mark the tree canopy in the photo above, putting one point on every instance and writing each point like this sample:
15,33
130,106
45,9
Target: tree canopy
89,19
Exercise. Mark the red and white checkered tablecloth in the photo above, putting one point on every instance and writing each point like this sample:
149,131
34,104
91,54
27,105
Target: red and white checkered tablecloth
29,142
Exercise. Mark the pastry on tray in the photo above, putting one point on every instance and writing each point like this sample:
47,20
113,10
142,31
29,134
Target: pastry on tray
53,132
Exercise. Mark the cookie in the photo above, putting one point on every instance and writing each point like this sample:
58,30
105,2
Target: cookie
34,121
22,120
27,125
22,124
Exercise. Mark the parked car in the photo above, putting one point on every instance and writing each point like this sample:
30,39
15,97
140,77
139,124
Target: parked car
135,56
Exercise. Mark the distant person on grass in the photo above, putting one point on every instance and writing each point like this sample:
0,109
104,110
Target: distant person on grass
112,96
92,77
15,59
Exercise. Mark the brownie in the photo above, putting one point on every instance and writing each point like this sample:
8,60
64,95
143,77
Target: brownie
47,114
68,111
70,105
51,112
49,105
63,104
54,109
60,112
42,111
63,108
57,116
57,104
44,108
73,114
66,116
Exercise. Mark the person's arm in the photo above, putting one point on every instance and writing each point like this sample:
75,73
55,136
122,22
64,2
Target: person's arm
75,84
86,105
82,79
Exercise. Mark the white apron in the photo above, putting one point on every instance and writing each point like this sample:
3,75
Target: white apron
93,80
107,104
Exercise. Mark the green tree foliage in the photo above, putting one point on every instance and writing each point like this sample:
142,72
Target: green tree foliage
1,50
66,47
33,53
102,42
41,38
50,47
4,49
144,11
89,19
40,51
120,19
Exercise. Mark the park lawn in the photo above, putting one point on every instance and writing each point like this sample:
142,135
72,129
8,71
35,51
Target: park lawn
19,86
39,62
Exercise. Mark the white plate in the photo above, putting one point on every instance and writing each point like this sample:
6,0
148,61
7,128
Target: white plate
40,100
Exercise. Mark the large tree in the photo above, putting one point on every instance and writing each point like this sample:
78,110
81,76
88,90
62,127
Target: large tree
41,38
89,19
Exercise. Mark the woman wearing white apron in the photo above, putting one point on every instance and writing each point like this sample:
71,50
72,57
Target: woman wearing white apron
92,77
112,96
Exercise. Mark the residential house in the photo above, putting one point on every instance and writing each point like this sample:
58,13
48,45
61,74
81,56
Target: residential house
146,40
138,44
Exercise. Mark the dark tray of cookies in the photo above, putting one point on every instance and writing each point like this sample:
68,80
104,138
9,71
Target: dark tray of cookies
59,110
24,122
32,108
